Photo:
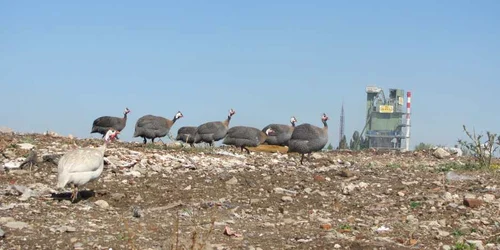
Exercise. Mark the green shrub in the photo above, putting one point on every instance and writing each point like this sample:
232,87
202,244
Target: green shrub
482,152
423,146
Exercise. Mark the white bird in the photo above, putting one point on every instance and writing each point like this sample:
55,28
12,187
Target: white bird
80,166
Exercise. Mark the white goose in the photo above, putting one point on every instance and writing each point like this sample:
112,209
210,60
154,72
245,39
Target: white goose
80,166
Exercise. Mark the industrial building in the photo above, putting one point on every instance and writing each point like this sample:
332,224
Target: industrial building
387,121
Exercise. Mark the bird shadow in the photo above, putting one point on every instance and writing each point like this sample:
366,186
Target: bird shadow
82,195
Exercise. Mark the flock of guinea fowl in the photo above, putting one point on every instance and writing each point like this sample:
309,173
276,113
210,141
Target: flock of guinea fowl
80,166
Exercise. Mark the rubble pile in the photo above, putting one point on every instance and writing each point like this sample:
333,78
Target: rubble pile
157,196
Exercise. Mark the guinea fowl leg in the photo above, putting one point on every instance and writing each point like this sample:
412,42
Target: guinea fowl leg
144,140
74,194
302,159
248,151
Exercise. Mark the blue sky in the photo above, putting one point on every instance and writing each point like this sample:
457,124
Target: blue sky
64,63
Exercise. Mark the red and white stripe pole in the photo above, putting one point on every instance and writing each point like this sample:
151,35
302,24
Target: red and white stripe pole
408,114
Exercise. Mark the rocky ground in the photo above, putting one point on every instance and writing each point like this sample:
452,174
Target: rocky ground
157,197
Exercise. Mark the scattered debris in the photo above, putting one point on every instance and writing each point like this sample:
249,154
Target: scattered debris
441,153
229,232
153,197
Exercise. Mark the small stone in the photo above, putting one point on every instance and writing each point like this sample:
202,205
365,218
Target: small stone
348,189
472,202
117,196
279,190
447,196
434,224
286,199
78,246
232,181
477,243
12,165
443,233
346,173
102,204
485,221
268,224
488,198
16,225
401,193
2,233
4,220
446,247
337,246
409,183
133,173
26,146
492,246
440,153
411,219
442,222
326,226
362,185
319,178
138,198
254,201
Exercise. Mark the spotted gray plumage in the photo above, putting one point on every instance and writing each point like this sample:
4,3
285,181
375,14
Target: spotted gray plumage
282,133
243,137
211,132
307,138
152,127
186,134
102,124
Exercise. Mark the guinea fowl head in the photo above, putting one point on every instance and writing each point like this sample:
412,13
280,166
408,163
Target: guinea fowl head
293,120
178,115
111,135
231,112
126,111
324,117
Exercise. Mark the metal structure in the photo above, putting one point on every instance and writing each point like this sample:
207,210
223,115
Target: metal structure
342,124
385,127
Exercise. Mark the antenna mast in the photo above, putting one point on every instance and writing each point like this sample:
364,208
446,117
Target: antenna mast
342,124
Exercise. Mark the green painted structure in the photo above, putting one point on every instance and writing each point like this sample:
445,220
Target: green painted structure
385,126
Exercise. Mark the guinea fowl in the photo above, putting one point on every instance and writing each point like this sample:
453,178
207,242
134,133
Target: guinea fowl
282,133
307,138
243,137
102,124
211,132
80,166
186,134
151,127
